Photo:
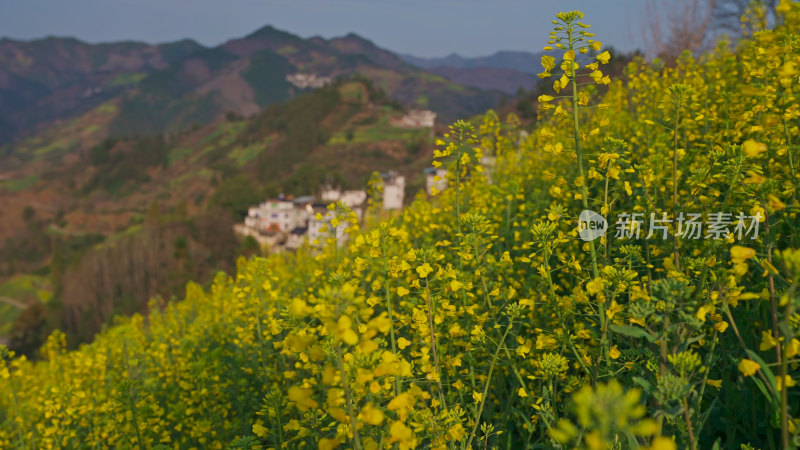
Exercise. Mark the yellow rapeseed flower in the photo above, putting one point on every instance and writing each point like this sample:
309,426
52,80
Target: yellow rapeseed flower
424,270
748,367
739,253
752,148
663,443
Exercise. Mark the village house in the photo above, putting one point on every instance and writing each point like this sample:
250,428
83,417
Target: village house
394,190
321,229
489,163
272,216
435,180
353,199
329,194
296,238
308,80
289,224
415,118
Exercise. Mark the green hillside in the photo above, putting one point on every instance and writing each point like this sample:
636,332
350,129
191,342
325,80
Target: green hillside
64,193
58,78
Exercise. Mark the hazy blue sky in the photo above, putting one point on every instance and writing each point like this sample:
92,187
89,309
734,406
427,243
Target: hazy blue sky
420,27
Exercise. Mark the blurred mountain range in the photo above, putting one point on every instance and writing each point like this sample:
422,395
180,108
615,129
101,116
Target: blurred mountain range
168,87
506,71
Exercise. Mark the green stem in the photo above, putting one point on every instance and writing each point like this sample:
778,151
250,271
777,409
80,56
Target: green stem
560,315
277,406
579,153
16,412
689,430
771,285
707,371
433,344
388,299
784,372
581,174
675,254
478,413
348,399
458,184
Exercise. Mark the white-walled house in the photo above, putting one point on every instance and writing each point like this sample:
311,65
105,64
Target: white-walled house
287,224
308,80
329,194
354,198
394,190
416,118
303,209
435,178
296,238
489,163
351,198
320,230
272,216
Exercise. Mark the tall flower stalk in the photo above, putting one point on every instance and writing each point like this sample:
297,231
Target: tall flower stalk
570,35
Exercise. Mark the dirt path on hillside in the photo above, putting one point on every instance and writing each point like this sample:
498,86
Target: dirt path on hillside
12,302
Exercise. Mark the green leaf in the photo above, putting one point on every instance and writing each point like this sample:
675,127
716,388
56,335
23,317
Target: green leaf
768,374
646,386
628,330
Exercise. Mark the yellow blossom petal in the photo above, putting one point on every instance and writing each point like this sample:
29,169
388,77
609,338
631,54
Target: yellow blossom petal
748,367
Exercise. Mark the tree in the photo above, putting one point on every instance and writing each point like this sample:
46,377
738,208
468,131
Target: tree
28,214
28,332
153,213
686,25
236,194
250,247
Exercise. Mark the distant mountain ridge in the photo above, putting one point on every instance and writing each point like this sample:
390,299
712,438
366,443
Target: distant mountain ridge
521,61
170,87
507,71
506,80
54,78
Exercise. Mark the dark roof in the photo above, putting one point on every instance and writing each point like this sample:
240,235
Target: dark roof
303,200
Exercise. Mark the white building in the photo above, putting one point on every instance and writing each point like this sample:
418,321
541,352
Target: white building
354,198
273,216
320,230
330,194
416,118
435,178
394,190
296,238
489,163
308,80
351,198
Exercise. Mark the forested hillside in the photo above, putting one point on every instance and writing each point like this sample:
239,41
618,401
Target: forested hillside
78,216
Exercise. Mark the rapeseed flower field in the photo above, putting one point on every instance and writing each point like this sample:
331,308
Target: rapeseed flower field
486,316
